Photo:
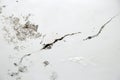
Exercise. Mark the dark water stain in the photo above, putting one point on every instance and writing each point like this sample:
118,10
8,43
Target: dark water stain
16,33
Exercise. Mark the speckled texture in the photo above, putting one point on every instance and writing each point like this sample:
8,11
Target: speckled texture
59,40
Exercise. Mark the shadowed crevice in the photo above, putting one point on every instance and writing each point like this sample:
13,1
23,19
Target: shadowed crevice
49,45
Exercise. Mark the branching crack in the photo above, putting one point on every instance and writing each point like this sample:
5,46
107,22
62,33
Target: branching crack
100,30
49,45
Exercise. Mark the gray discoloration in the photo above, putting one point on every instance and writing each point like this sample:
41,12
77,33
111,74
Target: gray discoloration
13,74
22,32
46,63
16,74
22,69
28,30
16,32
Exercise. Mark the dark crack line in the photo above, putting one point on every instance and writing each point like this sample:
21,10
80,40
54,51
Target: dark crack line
101,29
49,45
46,46
21,59
24,57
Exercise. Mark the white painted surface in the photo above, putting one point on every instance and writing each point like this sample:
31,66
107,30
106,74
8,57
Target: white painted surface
75,59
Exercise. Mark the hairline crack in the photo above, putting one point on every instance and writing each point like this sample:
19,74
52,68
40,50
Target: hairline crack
101,29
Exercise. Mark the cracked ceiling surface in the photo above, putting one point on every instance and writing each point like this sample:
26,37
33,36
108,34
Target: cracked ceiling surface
59,40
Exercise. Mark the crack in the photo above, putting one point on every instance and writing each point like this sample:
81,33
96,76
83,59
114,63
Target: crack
23,57
49,45
101,29
46,46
